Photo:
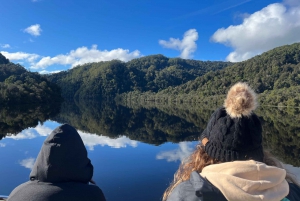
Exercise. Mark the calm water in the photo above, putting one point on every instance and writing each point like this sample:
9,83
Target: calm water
135,150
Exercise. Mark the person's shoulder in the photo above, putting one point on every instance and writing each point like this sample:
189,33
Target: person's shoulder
294,193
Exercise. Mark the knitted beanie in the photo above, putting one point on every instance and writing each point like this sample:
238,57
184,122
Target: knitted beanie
234,132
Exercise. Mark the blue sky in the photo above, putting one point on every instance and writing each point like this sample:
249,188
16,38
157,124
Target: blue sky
48,36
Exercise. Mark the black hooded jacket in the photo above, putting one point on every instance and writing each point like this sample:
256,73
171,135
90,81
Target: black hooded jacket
61,172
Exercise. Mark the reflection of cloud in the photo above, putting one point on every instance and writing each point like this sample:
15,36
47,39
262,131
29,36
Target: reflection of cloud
181,153
91,140
26,134
2,145
294,170
43,130
27,163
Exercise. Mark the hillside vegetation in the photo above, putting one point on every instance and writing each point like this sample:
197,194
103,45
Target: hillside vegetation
17,85
103,80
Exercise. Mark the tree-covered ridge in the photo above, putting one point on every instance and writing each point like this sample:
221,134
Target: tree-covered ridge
103,80
17,85
276,69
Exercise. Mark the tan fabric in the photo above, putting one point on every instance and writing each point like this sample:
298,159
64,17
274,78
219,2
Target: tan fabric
248,180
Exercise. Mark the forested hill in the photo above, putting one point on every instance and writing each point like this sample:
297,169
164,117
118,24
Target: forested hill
274,75
17,85
103,80
276,69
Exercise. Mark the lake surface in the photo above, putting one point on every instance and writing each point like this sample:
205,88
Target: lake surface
135,150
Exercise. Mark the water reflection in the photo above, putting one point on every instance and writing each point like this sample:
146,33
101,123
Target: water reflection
28,163
14,119
183,151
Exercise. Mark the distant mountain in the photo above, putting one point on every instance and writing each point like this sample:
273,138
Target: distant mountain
17,85
103,80
275,75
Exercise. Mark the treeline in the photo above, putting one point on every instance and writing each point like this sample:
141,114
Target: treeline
275,75
18,86
104,80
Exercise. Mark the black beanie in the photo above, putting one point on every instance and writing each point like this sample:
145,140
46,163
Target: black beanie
234,132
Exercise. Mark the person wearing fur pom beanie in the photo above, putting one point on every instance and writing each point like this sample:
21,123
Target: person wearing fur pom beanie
229,163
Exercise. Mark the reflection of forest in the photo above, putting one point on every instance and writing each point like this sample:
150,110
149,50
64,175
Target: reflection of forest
281,126
14,119
151,126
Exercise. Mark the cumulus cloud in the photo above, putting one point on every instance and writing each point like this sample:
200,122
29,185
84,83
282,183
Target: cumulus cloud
5,46
2,145
273,26
85,55
184,150
34,30
27,163
21,56
91,140
187,46
76,57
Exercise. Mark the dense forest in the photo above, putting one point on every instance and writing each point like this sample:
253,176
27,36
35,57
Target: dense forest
274,75
104,80
18,86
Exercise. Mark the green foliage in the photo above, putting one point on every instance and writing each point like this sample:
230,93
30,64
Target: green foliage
3,60
103,80
17,85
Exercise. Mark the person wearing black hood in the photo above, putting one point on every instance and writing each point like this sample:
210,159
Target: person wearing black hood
62,171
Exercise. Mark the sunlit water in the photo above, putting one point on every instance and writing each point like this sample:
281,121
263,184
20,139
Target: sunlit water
123,168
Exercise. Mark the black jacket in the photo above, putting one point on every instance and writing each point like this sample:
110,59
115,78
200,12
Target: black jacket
198,188
62,171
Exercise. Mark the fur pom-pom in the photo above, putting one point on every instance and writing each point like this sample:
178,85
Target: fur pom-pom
240,101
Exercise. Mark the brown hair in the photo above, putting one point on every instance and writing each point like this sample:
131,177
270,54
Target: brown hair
200,159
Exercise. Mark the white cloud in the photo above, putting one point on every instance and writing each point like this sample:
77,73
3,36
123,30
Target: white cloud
27,163
21,56
34,30
49,72
181,153
187,46
273,26
91,140
76,57
5,46
2,145
85,55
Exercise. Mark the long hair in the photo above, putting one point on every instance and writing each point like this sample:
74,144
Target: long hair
195,162
200,159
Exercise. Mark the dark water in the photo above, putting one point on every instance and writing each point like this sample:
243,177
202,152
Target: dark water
135,150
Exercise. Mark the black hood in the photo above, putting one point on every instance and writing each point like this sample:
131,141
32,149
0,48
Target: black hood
63,158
